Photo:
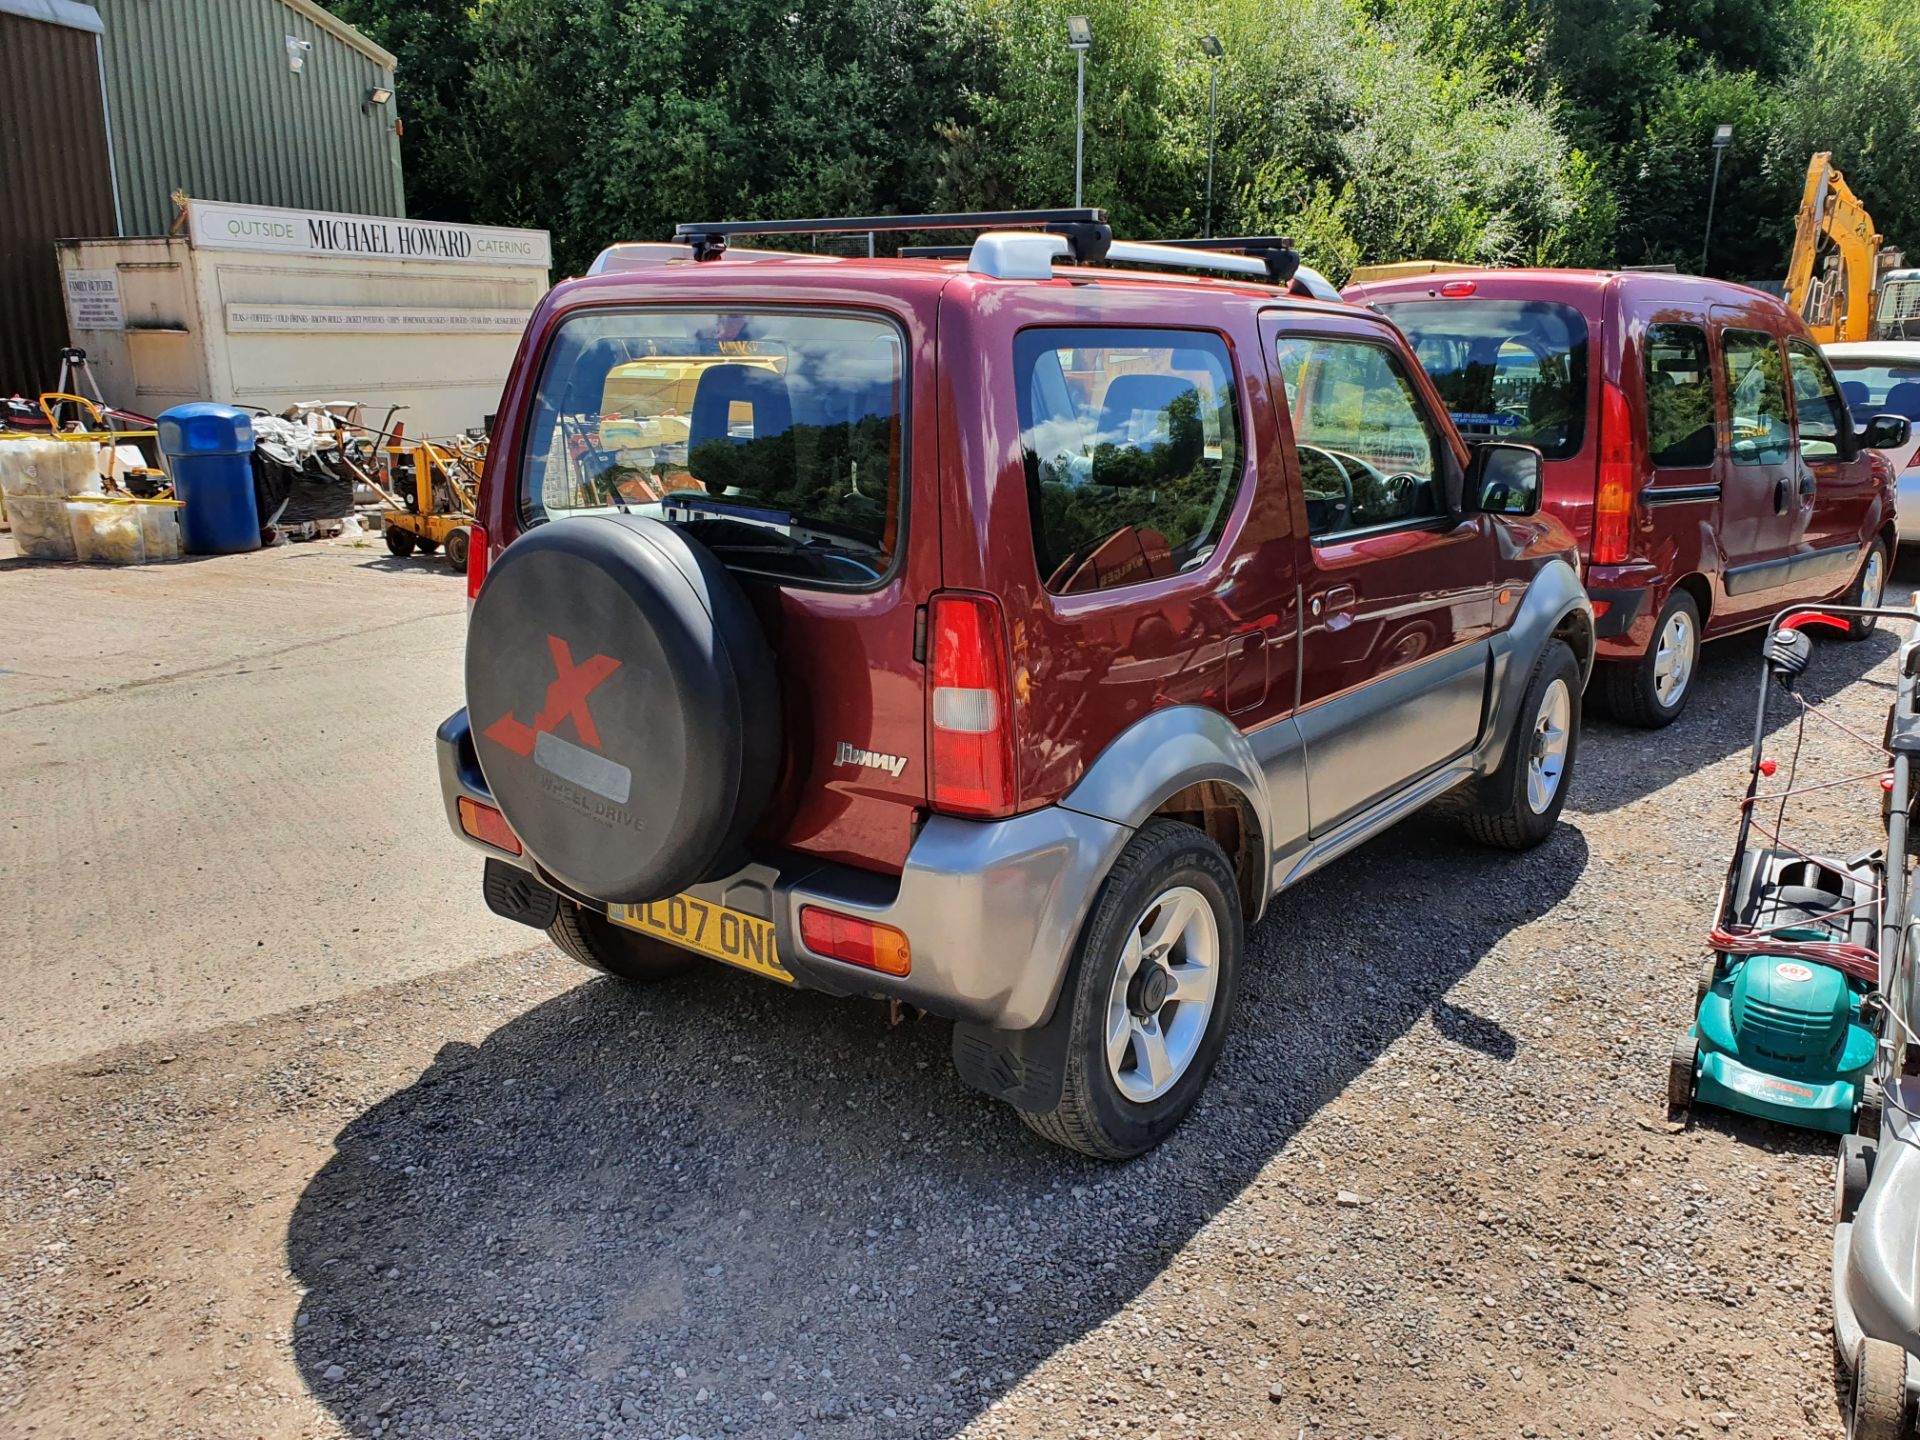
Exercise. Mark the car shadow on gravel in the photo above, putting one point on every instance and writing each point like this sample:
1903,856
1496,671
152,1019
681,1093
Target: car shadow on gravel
715,1207
1622,763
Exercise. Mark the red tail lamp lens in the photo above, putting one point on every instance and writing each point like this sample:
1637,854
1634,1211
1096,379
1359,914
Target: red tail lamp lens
1613,504
855,941
1457,289
476,560
971,708
488,826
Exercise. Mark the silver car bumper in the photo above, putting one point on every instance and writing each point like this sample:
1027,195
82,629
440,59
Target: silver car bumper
1906,492
991,909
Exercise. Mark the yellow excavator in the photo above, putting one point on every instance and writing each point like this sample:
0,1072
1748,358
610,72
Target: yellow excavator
1841,280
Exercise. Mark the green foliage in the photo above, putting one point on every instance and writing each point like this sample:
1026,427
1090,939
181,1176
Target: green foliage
1494,131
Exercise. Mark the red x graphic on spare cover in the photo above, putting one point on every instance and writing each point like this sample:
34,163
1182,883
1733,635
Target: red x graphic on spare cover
566,698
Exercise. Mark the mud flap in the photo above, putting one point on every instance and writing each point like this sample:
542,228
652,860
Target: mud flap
513,894
1021,1067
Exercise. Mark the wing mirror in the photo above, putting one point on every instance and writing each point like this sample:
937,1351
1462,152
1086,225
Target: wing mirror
1887,432
1505,479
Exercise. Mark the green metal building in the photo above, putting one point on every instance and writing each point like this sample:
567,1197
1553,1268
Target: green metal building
109,108
264,102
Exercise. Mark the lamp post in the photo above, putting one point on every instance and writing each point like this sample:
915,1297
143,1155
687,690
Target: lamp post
1079,40
1211,45
1722,138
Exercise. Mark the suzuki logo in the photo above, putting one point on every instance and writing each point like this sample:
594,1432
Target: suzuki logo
566,699
581,764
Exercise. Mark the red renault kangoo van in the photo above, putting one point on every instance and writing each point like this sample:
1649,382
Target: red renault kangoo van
1696,444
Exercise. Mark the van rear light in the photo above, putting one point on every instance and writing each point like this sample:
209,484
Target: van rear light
848,938
476,561
1455,289
488,826
1613,503
970,708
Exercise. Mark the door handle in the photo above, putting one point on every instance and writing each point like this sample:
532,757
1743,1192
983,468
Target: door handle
1341,597
1781,493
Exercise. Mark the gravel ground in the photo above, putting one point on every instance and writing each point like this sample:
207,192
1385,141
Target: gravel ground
1431,1191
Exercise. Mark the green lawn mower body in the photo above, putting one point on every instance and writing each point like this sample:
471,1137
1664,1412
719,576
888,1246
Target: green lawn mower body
1782,1039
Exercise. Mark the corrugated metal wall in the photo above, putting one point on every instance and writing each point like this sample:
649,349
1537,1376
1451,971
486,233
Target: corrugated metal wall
203,101
53,163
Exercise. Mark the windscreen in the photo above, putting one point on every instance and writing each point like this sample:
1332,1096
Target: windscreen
775,437
1874,387
1506,369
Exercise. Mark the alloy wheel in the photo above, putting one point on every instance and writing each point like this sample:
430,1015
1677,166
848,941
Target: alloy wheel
1673,658
1162,995
1548,760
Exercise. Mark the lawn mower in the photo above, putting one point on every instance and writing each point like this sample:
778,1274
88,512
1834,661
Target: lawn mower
1807,1016
1782,1027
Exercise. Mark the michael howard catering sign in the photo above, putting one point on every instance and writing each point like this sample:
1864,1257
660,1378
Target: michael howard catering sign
216,226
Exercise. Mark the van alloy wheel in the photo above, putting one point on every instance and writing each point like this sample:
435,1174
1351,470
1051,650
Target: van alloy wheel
1674,656
1549,758
1162,994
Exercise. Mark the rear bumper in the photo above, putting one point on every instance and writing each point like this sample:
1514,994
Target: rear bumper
1906,512
1632,595
991,909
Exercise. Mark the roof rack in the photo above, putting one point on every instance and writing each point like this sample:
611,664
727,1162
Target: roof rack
1271,256
1085,229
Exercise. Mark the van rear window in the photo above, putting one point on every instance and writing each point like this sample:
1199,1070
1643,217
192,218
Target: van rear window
774,437
1507,369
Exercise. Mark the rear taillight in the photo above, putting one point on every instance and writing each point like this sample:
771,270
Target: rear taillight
476,560
1457,289
488,826
970,708
855,941
1613,502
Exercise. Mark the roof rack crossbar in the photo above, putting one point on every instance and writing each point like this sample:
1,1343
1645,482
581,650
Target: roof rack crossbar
1275,251
1085,227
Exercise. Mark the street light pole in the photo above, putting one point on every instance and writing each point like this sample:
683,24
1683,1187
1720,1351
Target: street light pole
1211,44
1722,138
1079,40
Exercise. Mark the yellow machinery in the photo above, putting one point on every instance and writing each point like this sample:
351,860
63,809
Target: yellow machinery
1835,292
432,489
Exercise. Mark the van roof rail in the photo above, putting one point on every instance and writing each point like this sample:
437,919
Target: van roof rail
1084,228
1273,255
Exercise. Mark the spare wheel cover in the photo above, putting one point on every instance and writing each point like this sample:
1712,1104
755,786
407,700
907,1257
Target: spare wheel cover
623,704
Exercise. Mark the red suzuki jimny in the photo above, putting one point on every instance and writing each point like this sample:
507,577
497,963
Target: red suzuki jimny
993,631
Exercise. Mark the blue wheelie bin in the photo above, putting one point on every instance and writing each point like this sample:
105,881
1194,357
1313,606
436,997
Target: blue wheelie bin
209,450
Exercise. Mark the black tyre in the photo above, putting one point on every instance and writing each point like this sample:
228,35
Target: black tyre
1152,987
1703,983
1681,1065
1869,587
1519,804
399,542
595,941
458,542
1853,1168
1878,1408
1866,1118
1652,691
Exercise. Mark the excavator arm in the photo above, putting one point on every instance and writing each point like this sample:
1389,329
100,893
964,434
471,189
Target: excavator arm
1837,305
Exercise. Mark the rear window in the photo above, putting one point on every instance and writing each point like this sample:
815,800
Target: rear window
1873,388
1507,369
775,437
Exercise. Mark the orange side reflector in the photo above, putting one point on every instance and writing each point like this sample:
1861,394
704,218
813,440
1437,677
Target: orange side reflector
855,941
1600,607
488,826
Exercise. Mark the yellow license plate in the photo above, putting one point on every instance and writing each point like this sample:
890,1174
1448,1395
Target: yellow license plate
712,930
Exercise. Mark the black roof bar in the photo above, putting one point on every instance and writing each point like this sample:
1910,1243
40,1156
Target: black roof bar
1085,228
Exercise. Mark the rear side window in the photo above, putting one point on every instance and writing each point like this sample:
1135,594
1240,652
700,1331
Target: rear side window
1368,456
1816,400
1507,369
1679,381
1757,395
1133,452
774,437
